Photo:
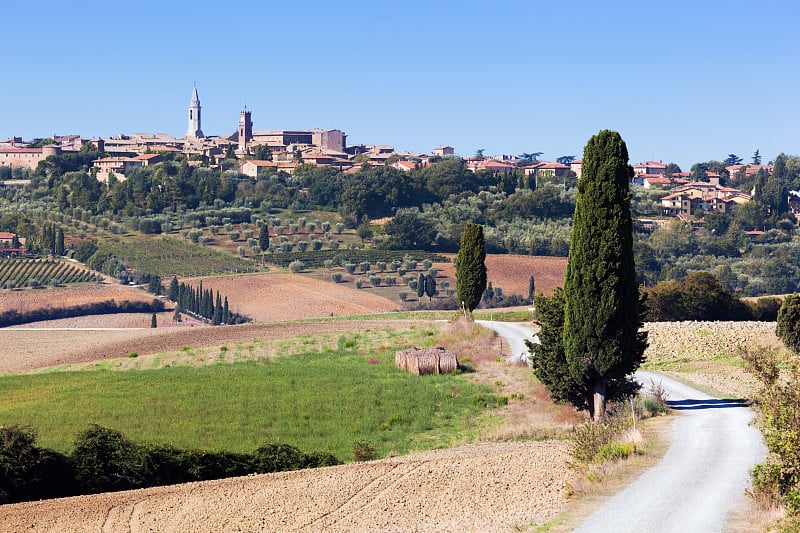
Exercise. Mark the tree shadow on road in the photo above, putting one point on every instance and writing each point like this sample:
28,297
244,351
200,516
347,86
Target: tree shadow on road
710,403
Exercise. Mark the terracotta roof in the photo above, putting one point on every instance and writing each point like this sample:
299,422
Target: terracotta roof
21,150
658,178
550,164
261,163
495,164
6,235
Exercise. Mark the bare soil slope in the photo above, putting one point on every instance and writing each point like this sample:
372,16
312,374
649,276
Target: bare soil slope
512,272
29,299
269,297
487,487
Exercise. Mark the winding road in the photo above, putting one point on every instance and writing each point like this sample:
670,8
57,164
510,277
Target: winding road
701,478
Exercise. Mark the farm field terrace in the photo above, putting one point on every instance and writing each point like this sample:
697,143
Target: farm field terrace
317,400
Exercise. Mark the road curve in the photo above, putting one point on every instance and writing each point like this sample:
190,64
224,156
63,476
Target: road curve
514,335
701,478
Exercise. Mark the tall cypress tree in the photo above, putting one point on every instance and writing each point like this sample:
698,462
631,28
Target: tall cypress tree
59,242
217,320
470,267
173,289
263,238
602,317
531,288
430,286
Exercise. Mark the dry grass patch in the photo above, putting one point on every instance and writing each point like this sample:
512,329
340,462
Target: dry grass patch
76,347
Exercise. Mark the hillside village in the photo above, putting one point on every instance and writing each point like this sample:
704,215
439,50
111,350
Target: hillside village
265,152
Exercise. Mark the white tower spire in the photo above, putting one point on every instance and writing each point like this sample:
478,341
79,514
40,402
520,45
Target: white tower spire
194,116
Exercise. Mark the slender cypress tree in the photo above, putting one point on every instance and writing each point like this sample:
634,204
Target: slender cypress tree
470,267
421,285
430,287
602,315
173,289
217,320
263,238
59,244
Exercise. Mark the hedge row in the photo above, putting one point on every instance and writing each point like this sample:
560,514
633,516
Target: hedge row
106,307
316,259
104,460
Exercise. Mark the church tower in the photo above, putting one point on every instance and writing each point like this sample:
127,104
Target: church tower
194,117
245,130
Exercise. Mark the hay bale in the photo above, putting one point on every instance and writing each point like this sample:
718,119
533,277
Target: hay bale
426,360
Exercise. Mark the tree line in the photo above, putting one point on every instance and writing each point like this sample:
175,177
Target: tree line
12,317
202,303
104,460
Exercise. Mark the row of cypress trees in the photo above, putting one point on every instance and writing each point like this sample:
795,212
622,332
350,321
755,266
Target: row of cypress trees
49,239
203,303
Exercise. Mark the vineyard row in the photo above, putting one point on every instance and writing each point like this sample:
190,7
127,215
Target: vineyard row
19,272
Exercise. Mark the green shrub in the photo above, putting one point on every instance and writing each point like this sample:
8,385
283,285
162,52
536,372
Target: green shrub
768,484
588,439
296,266
20,463
615,451
364,451
104,460
336,277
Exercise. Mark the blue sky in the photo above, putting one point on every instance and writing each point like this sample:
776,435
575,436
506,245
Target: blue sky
682,81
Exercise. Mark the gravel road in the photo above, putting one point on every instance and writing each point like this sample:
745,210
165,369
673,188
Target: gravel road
703,474
514,334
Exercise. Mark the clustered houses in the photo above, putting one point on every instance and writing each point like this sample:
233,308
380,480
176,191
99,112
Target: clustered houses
701,196
287,149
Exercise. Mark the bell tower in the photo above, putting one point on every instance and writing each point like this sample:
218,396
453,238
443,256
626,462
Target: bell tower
245,130
194,117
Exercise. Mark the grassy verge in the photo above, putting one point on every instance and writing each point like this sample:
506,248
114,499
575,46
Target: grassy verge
591,491
315,401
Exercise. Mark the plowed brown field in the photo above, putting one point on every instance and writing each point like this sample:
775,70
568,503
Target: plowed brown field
509,486
28,299
512,272
270,297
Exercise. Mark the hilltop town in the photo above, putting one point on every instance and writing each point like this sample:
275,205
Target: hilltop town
264,152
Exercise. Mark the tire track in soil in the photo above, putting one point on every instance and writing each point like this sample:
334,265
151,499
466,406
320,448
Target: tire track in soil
364,497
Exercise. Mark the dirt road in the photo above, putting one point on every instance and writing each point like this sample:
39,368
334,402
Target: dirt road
701,478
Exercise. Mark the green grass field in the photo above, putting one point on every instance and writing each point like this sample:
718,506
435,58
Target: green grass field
316,401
